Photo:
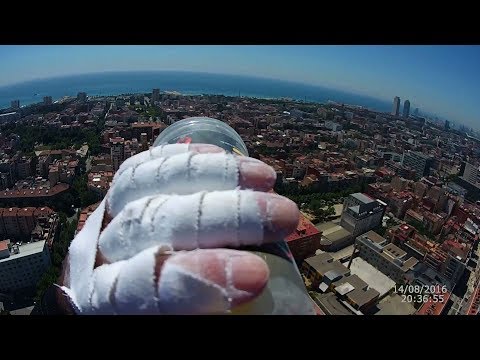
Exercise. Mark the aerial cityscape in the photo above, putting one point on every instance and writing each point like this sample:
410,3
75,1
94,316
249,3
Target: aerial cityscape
389,199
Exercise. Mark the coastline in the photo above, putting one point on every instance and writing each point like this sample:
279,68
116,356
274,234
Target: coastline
187,84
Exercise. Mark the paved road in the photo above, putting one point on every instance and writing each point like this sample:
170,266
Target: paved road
88,164
73,217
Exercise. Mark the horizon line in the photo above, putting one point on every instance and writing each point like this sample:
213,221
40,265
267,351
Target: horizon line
349,91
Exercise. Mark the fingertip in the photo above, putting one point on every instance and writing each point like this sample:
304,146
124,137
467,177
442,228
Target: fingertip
280,213
241,274
255,174
249,275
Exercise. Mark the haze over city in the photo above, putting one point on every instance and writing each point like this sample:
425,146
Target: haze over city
442,80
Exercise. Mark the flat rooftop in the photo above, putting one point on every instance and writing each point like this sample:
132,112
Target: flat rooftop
362,297
373,277
376,238
338,235
333,232
394,305
324,263
365,199
22,311
340,254
353,280
327,227
329,303
26,250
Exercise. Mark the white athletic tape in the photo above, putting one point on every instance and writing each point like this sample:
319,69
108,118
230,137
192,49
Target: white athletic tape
82,252
103,282
180,174
230,213
136,289
153,153
200,220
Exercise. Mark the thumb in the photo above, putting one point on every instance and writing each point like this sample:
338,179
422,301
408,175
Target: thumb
210,281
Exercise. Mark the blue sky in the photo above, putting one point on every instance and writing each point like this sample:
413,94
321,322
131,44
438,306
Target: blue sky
441,79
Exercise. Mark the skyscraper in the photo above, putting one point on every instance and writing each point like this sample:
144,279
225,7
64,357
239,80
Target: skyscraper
396,106
415,112
418,162
155,95
406,108
47,100
15,104
472,174
117,151
82,96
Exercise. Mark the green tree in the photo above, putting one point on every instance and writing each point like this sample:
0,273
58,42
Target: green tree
48,278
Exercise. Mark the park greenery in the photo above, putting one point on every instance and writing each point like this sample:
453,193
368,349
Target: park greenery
53,138
318,204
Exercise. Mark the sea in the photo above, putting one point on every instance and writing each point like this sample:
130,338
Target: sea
187,83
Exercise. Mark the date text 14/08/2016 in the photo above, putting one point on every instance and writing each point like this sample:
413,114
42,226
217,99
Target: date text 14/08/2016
420,289
421,293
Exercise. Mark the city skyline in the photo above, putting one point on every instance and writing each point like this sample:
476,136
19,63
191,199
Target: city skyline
438,79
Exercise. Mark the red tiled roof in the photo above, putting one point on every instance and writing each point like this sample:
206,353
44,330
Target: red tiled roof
43,211
147,124
85,214
473,307
27,211
3,245
304,228
27,193
434,308
10,211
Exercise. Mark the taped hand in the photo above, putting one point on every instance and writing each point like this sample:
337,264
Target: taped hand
156,244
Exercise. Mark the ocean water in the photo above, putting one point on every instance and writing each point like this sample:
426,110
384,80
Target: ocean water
191,83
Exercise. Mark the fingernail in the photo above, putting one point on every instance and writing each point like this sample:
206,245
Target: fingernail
249,273
256,174
283,214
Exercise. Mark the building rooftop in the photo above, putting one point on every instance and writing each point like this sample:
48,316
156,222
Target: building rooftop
324,263
373,277
373,236
329,303
41,191
304,228
334,234
394,251
363,198
341,254
26,250
353,280
23,311
319,260
362,297
4,245
432,307
394,305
